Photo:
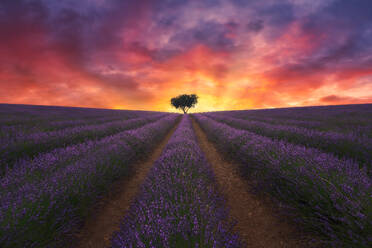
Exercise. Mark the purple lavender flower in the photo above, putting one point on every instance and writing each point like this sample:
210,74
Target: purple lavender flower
53,192
329,195
358,148
35,143
178,205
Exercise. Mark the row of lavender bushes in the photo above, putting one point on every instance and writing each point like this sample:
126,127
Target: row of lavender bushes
60,120
354,128
343,145
354,119
74,129
272,120
48,205
18,120
11,114
328,195
38,111
178,204
35,143
344,113
43,164
16,132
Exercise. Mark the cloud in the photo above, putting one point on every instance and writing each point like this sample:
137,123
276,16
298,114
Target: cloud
139,53
335,99
217,36
255,26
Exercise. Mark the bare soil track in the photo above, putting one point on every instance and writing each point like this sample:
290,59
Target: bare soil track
258,222
100,226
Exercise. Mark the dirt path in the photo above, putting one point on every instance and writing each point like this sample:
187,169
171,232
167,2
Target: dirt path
258,223
98,229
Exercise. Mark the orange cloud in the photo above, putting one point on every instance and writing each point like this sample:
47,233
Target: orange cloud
137,55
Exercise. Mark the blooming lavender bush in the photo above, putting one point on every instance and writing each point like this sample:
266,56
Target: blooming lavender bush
344,145
31,115
24,126
320,113
16,132
35,143
329,195
37,211
16,121
355,119
314,124
178,204
37,168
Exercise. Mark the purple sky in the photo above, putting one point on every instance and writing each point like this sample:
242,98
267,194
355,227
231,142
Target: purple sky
234,54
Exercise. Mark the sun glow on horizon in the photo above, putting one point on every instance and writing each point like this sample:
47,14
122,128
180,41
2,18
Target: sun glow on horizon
140,54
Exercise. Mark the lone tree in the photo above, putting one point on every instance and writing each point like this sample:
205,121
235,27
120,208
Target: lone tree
184,102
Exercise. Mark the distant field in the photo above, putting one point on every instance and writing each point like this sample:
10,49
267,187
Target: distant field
58,163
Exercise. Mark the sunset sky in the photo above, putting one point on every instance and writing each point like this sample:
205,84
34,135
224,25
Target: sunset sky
234,54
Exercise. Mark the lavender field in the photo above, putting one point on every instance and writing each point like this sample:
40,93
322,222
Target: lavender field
315,160
57,163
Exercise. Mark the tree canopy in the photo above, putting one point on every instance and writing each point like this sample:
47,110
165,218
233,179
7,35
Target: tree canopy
184,102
